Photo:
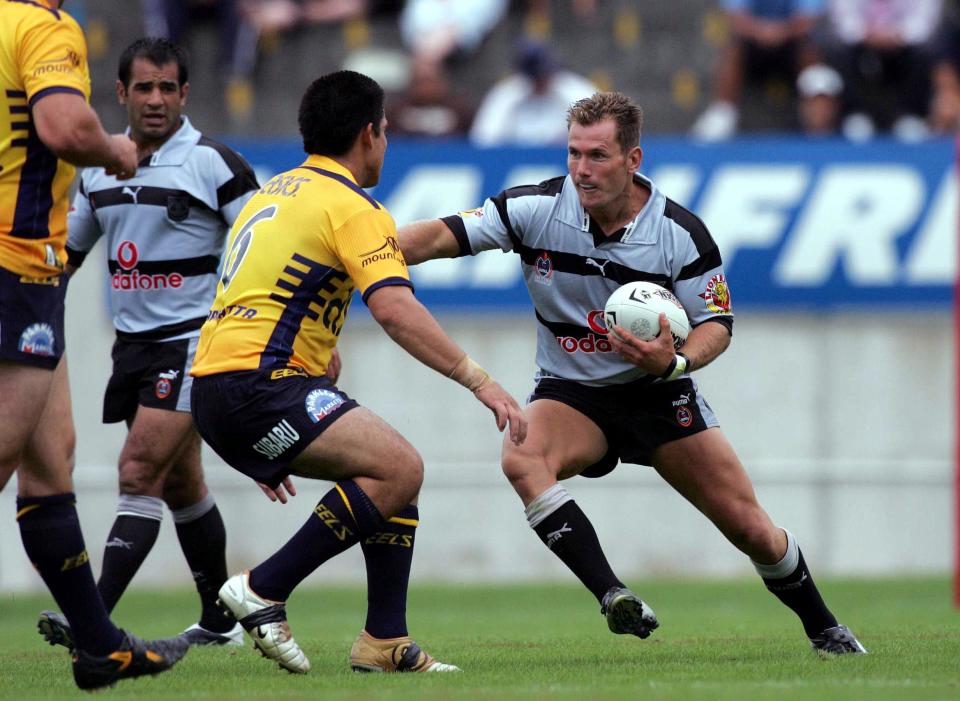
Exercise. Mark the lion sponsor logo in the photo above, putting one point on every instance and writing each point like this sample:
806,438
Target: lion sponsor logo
717,295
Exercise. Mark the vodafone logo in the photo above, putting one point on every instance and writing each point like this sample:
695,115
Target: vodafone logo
595,342
128,279
596,323
127,255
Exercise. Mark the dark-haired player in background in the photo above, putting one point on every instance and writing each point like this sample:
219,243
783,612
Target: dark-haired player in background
619,398
165,230
47,128
263,400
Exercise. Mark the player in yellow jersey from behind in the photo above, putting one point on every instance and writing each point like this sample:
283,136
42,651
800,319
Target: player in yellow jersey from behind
262,397
47,128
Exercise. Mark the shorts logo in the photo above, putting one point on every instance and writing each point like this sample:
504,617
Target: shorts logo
277,440
164,384
682,401
717,295
544,269
37,339
684,417
162,388
321,403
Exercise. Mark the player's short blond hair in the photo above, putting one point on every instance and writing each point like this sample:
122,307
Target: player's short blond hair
610,105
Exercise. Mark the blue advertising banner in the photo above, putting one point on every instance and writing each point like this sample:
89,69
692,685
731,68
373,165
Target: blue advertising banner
800,223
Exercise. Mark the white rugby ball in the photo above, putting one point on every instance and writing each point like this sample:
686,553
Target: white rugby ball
637,306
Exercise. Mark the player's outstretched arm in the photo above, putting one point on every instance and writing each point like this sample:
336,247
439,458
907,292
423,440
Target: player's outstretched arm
415,330
70,128
426,240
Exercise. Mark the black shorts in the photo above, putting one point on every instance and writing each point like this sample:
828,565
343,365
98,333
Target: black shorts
636,418
31,319
258,421
154,374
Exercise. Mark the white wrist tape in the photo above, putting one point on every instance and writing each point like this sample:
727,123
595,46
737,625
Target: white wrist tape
676,368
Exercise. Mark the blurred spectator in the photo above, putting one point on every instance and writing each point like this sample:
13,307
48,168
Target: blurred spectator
885,51
429,107
271,16
172,19
529,107
437,30
584,10
820,100
944,114
766,37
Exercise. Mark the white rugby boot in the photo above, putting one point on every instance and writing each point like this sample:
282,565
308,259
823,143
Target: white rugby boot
266,622
198,635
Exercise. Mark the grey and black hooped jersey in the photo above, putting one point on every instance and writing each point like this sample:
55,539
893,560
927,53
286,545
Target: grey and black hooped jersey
165,231
571,267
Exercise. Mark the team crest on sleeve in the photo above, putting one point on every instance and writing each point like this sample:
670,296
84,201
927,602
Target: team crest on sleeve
717,295
544,269
320,403
37,339
475,212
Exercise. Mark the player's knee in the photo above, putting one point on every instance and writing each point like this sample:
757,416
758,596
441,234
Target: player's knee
753,534
412,475
140,477
519,465
179,493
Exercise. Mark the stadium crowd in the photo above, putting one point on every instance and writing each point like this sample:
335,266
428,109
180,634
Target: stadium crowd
725,67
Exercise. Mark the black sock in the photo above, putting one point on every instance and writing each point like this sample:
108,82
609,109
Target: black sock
203,540
51,536
343,516
129,542
798,591
570,535
389,554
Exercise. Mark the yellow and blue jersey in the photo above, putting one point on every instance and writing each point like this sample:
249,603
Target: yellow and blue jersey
42,50
297,251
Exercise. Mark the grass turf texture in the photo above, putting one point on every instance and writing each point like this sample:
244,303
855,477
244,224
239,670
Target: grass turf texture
718,640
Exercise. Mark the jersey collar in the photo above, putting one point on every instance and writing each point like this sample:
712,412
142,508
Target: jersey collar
327,163
642,230
176,149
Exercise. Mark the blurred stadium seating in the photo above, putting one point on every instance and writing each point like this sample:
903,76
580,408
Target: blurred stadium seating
659,53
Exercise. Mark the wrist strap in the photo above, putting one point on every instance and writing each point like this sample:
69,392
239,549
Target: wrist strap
677,367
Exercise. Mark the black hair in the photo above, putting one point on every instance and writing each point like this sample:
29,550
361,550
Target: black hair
336,108
159,52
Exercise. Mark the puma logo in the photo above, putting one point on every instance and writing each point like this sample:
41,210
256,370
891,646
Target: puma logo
133,192
556,535
600,266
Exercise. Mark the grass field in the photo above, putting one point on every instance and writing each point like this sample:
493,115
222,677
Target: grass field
718,640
